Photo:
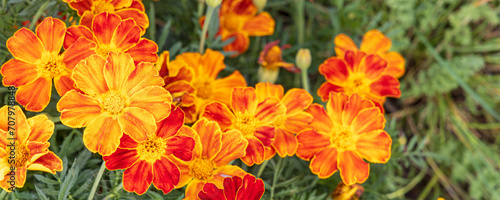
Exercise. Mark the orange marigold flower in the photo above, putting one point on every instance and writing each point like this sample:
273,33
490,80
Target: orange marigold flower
241,19
211,155
37,60
374,42
151,161
294,120
208,88
25,147
270,61
347,192
253,119
350,130
234,188
358,73
117,98
110,33
88,9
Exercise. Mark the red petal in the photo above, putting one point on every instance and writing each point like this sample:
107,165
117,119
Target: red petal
254,152
310,143
211,192
73,33
373,66
121,159
104,26
220,113
322,122
352,107
386,86
169,126
326,88
244,100
251,188
165,175
181,146
144,51
138,178
335,70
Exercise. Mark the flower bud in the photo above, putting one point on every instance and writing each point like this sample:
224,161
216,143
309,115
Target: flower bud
268,75
213,3
303,59
260,4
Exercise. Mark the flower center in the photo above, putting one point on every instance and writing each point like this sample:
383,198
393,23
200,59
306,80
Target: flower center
233,23
102,6
22,155
152,149
246,123
103,50
343,138
51,65
201,168
357,84
203,89
113,102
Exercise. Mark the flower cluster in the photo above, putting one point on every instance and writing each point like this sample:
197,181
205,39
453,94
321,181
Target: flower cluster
177,123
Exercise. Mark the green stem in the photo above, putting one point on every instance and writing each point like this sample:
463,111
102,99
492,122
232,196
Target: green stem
402,191
261,168
300,21
38,14
305,80
2,195
210,12
277,171
96,182
114,191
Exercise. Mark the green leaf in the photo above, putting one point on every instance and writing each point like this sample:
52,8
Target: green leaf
40,193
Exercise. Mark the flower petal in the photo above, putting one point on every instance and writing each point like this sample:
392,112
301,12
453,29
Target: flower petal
21,39
165,175
138,178
117,69
51,33
73,33
138,16
352,107
193,188
41,128
212,62
233,147
265,134
296,100
121,159
220,113
386,86
269,110
103,134
169,126
264,90
126,142
222,87
395,64
285,143
181,146
144,51
104,26
36,95
78,110
343,43
154,99
211,192
240,44
88,75
254,152
375,146
210,137
375,42
251,188
244,100
22,127
260,25
137,123
18,73
143,76
324,163
352,168
322,122
310,143
373,66
49,162
298,122
368,120
335,70
326,88
81,49
126,35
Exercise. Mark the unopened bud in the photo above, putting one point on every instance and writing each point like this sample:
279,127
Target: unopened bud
213,3
303,59
268,75
260,4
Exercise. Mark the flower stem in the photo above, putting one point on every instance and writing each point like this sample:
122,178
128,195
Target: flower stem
114,192
262,167
96,182
305,80
277,172
210,12
300,21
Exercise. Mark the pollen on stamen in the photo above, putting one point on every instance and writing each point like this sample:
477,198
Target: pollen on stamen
152,149
203,88
343,138
22,156
201,168
112,102
51,65
246,123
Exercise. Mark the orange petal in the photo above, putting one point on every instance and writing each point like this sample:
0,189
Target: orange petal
182,93
80,6
121,3
223,86
136,122
226,171
335,70
395,64
21,39
48,163
326,88
193,188
126,35
18,73
352,107
63,83
138,178
155,99
121,159
240,44
169,126
184,169
81,49
51,33
210,137
352,168
20,179
89,77
36,95
260,25
245,100
117,68
165,175
22,127
41,128
86,19
144,51
368,120
296,100
322,122
373,66
233,147
324,163
254,152
375,42
386,86
298,122
191,114
178,71
78,110
103,134
285,143
269,110
104,25
212,62
220,113
191,59
180,146
73,33
138,16
343,43
265,134
267,89
310,143
375,146
143,76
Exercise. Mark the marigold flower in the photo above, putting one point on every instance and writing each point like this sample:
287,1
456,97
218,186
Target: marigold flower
212,153
234,188
294,120
374,42
358,73
88,9
109,32
151,161
252,118
347,192
350,130
240,19
270,61
30,146
32,69
117,98
206,67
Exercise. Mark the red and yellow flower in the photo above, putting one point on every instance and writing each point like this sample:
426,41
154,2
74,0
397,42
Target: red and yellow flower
208,88
37,60
117,98
252,118
358,73
270,60
350,130
110,33
294,120
240,19
212,153
151,161
88,9
26,145
374,42
234,188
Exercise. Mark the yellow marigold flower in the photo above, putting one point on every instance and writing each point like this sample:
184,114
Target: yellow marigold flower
28,151
117,98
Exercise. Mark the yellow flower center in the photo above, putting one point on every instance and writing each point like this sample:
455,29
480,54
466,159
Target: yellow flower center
357,83
51,65
201,168
112,102
103,50
343,138
102,6
22,155
233,23
246,123
152,149
203,88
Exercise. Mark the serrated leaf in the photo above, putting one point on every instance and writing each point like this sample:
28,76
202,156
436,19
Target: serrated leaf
45,179
40,193
68,183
